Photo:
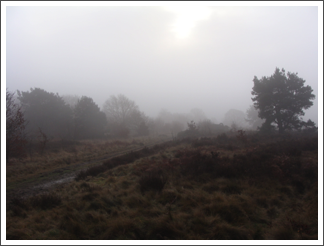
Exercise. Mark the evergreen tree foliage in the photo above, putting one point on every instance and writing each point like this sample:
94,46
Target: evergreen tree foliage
46,111
89,121
281,100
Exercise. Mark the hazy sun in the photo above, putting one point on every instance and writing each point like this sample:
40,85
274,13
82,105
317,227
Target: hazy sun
187,17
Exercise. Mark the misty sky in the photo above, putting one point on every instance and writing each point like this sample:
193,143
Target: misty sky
174,58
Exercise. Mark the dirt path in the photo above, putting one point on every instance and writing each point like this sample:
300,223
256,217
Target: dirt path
47,181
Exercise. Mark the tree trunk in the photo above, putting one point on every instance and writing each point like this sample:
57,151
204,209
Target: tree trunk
280,126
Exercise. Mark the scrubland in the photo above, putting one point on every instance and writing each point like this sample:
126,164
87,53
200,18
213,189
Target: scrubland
65,158
230,187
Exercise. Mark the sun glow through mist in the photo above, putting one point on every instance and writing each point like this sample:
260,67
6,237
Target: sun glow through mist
187,18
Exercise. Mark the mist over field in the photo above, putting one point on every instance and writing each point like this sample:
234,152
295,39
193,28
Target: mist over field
175,58
174,122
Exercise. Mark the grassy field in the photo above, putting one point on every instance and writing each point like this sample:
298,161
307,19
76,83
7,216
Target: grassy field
62,159
242,187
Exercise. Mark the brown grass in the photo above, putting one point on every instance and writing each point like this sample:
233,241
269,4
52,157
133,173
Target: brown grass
161,197
65,153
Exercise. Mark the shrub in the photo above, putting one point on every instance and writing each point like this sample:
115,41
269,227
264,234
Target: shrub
195,163
46,201
153,180
191,132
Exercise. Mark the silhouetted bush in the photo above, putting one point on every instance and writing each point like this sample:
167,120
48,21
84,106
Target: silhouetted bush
153,180
45,201
195,163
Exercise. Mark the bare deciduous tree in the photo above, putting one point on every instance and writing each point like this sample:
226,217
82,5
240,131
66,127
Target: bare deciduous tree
15,127
123,115
119,109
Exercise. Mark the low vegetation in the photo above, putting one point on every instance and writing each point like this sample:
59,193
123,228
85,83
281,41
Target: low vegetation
231,187
66,153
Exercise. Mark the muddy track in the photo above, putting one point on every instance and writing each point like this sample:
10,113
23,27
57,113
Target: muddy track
47,181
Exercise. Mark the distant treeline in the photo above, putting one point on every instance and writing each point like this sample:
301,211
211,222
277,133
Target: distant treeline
279,102
51,116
